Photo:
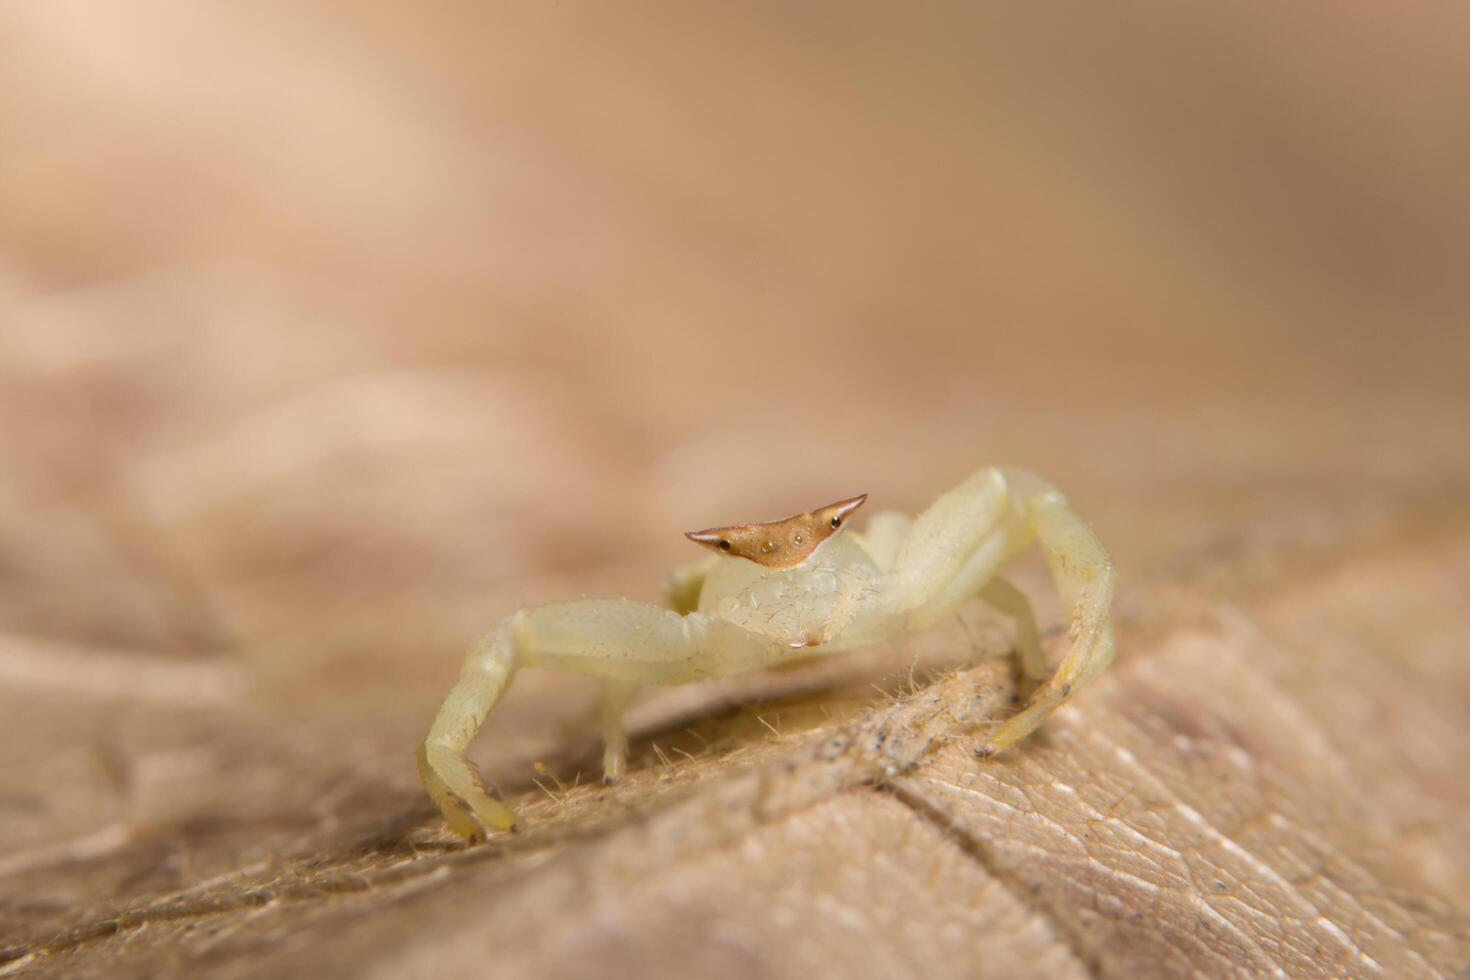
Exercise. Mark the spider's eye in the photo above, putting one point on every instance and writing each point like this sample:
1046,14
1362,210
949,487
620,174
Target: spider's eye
724,545
837,522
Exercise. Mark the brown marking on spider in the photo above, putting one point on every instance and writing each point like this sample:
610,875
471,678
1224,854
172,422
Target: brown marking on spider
779,544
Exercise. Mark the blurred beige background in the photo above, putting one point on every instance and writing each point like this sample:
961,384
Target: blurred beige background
331,333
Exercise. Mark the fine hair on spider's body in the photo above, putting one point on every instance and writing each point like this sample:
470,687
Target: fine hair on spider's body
778,591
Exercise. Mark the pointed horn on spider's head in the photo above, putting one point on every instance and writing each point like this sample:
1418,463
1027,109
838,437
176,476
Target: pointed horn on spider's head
716,538
779,544
835,515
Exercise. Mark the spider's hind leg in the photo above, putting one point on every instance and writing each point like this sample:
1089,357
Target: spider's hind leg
1010,600
956,550
1084,577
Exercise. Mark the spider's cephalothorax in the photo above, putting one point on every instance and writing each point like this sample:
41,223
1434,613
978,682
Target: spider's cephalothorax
794,588
779,544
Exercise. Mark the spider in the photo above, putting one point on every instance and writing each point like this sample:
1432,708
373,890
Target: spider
775,592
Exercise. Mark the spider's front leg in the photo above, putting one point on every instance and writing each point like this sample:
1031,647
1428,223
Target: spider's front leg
451,780
622,642
612,704
957,548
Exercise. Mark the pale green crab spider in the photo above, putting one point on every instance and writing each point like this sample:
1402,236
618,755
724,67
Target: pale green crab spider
773,593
